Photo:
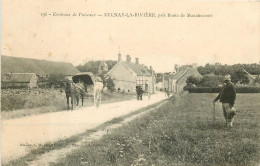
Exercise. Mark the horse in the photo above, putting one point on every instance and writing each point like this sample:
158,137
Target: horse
74,91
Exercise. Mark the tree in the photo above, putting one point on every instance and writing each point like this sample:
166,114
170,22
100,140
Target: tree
207,69
192,80
219,69
110,64
104,79
110,84
92,66
56,79
210,81
239,76
257,80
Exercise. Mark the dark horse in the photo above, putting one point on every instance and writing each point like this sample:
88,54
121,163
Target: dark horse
74,92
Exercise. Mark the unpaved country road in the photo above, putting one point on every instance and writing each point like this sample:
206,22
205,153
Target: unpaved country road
21,135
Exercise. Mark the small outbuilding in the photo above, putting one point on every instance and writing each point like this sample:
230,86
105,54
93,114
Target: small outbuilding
19,80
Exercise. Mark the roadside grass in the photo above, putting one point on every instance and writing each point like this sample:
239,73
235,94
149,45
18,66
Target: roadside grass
180,133
19,103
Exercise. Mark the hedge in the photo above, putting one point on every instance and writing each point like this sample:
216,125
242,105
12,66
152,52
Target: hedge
14,87
217,90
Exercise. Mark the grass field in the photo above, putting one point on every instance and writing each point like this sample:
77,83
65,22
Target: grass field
180,133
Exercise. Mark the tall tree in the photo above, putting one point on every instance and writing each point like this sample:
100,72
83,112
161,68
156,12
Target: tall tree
239,76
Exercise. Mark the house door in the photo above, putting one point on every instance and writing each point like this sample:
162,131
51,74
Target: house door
146,87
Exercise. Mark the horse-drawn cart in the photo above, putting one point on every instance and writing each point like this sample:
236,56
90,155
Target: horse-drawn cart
83,85
90,84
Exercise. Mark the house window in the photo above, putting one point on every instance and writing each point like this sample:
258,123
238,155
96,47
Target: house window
141,81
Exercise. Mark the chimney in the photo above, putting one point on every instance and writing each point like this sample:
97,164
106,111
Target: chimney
119,57
137,61
128,59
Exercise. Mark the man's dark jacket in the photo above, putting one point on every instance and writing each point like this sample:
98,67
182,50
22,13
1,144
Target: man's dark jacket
228,94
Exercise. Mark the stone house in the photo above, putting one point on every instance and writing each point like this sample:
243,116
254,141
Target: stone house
127,75
175,82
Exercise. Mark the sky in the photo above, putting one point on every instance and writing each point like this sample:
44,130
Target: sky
230,36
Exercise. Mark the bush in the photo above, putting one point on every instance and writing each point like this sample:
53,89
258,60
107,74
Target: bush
203,89
239,76
206,81
14,99
210,81
248,89
217,90
257,81
110,84
12,102
55,79
193,80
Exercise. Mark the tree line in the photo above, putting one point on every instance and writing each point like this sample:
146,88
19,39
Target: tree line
92,66
220,69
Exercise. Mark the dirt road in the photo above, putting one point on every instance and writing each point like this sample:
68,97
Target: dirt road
20,136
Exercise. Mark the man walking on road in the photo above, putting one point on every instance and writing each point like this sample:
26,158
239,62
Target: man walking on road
227,96
139,93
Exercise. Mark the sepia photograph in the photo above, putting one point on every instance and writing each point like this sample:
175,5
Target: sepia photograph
130,83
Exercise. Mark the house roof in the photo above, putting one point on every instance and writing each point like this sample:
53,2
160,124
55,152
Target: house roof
180,74
250,75
17,77
254,76
140,70
40,67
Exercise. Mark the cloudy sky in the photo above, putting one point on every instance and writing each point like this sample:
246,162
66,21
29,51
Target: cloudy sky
231,35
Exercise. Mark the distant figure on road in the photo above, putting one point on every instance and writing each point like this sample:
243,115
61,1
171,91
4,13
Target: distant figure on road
227,96
139,93
167,92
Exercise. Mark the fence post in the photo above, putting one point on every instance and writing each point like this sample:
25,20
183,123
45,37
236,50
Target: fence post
213,113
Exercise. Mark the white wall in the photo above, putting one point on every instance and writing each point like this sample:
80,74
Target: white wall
123,77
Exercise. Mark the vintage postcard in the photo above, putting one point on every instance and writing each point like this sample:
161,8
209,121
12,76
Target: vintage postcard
111,82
